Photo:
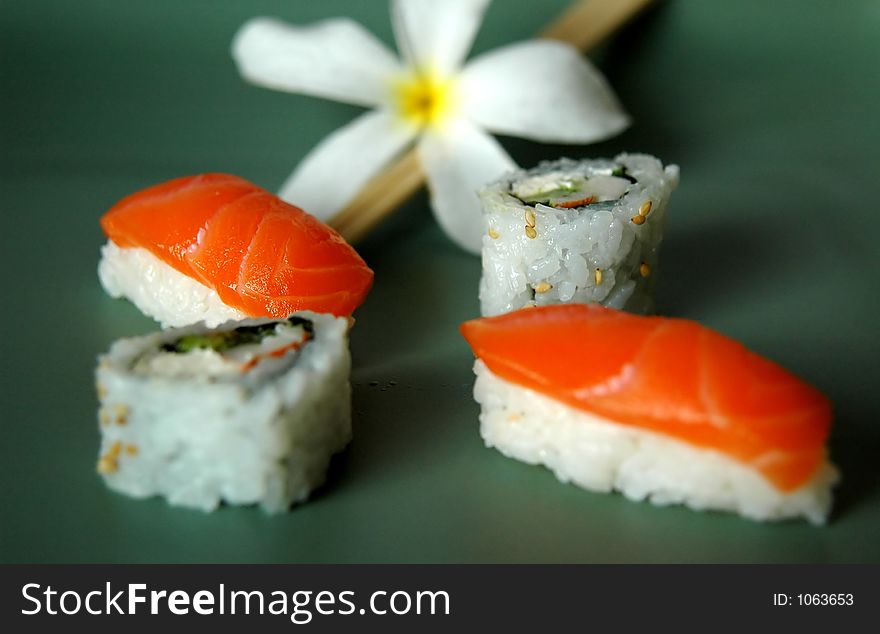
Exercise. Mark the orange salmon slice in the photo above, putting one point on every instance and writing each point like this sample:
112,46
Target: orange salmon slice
260,254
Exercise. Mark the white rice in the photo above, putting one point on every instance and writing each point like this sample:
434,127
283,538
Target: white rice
599,455
588,254
160,291
259,437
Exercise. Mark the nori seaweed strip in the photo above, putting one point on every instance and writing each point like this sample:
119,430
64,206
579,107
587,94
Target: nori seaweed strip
306,324
621,172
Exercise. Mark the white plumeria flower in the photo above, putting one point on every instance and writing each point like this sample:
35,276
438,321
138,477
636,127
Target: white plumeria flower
539,89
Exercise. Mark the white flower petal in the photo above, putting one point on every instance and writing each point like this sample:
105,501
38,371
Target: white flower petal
337,59
460,160
340,165
542,90
436,35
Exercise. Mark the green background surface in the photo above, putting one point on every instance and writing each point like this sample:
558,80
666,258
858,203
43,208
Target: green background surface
769,108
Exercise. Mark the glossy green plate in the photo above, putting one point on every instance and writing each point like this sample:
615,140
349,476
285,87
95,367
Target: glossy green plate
770,110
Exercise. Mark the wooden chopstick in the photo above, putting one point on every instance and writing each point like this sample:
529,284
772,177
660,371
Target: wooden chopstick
584,25
588,23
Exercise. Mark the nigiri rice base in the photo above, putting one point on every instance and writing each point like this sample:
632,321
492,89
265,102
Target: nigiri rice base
603,456
160,291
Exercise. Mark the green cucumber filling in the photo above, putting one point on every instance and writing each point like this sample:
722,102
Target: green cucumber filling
222,341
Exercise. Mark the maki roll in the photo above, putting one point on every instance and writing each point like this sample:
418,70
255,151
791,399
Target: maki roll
575,232
248,413
663,410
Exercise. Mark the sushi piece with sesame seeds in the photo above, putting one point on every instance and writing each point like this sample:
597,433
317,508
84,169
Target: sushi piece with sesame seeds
575,232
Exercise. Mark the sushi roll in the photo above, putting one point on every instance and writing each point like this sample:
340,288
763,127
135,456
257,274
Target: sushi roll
215,247
575,232
659,409
248,413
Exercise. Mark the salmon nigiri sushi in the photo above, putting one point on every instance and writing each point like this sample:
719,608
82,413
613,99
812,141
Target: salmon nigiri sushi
215,247
660,409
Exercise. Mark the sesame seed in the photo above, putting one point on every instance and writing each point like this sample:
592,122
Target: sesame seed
131,450
543,287
530,218
598,277
644,269
531,233
638,220
645,209
101,389
107,464
115,449
493,234
122,412
104,416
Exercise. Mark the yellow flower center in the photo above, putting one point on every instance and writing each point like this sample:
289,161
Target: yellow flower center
425,98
